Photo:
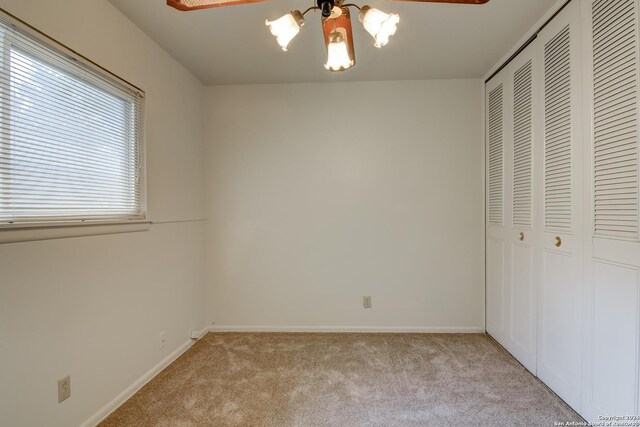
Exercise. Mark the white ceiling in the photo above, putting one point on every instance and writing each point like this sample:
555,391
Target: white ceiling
232,45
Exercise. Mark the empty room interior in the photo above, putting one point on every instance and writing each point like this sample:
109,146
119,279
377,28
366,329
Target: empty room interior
293,213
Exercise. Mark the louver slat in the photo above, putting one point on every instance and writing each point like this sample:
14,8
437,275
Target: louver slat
615,132
496,159
557,121
522,150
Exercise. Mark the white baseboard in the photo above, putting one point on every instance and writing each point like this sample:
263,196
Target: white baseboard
133,388
371,329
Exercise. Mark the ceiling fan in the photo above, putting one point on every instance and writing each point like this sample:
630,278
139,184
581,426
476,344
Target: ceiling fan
336,25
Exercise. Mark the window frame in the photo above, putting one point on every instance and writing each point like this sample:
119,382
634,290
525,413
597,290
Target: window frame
57,227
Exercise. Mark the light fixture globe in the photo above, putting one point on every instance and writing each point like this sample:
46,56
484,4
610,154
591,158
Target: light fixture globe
286,27
379,24
338,53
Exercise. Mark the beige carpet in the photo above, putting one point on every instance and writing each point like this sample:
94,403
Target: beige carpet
233,379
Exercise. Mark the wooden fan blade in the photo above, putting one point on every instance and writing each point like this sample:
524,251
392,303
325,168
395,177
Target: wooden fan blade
450,1
187,5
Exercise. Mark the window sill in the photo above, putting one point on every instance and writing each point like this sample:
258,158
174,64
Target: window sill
28,232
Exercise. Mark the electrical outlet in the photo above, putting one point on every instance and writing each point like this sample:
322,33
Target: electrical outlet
163,339
366,302
64,388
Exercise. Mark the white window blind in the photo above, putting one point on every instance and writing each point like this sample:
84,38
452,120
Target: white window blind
70,136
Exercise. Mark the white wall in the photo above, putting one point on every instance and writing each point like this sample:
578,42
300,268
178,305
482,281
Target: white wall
319,194
93,307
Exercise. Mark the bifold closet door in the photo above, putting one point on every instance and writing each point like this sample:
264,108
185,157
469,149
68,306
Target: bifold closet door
560,248
521,239
511,273
612,248
497,114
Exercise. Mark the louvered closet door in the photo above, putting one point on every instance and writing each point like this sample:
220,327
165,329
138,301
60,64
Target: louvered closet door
522,304
497,115
559,309
612,247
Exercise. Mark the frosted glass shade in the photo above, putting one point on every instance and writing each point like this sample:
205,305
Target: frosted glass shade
286,27
338,58
379,24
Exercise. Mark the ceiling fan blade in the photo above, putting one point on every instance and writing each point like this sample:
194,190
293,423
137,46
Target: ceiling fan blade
450,1
186,5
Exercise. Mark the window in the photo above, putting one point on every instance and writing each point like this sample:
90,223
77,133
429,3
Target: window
70,136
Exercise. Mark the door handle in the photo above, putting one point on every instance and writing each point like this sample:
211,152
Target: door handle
521,236
557,241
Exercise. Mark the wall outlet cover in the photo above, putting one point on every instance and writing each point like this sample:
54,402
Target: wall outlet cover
366,302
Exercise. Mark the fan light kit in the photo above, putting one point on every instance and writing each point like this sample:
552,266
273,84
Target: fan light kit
336,25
